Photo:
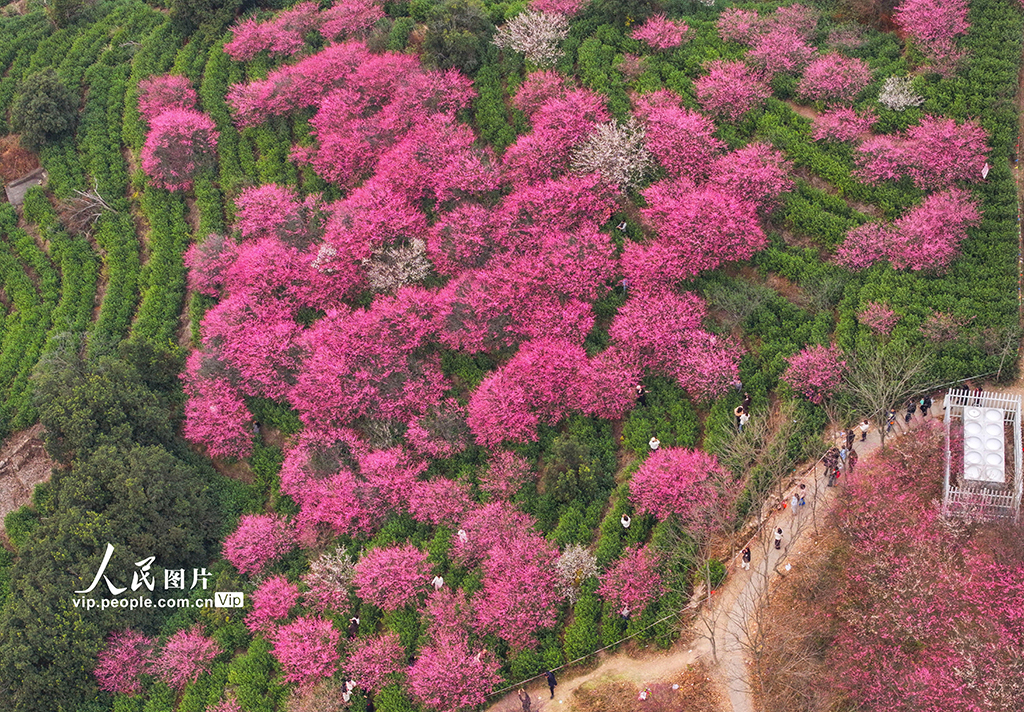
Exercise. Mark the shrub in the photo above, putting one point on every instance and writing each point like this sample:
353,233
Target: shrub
44,109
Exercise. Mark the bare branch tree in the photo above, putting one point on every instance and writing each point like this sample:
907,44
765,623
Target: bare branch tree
884,379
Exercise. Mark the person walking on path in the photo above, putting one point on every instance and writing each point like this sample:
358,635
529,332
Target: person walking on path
851,461
833,475
778,538
911,409
745,559
794,502
926,405
524,699
551,682
802,493
830,459
641,394
743,420
850,437
890,420
865,425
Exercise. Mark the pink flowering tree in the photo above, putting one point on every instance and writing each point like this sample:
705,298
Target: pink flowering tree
682,140
179,145
350,18
816,372
878,317
120,665
164,92
699,228
659,32
451,676
730,89
208,262
842,124
935,153
272,601
184,657
833,78
737,25
934,26
505,473
519,594
633,582
670,483
536,385
283,35
307,650
486,528
537,89
215,415
391,577
562,7
258,540
377,662
273,211
662,331
928,237
757,174
439,502
780,50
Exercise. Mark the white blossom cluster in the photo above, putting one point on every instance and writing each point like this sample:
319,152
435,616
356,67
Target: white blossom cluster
332,571
897,95
394,267
536,35
616,151
574,566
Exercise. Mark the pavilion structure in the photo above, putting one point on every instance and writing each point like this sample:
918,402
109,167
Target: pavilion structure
983,455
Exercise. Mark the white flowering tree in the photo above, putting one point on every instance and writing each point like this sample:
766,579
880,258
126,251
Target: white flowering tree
537,35
616,151
898,95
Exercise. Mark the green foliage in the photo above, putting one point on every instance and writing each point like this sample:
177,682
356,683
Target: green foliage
251,676
393,699
669,414
582,636
19,525
458,32
44,109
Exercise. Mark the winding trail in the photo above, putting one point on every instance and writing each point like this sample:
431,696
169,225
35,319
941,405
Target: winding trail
733,608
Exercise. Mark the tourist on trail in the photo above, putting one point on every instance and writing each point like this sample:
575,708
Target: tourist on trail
641,394
778,538
865,425
743,420
746,559
654,442
890,420
833,475
747,402
794,501
911,409
926,405
851,462
551,682
802,493
524,699
850,437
